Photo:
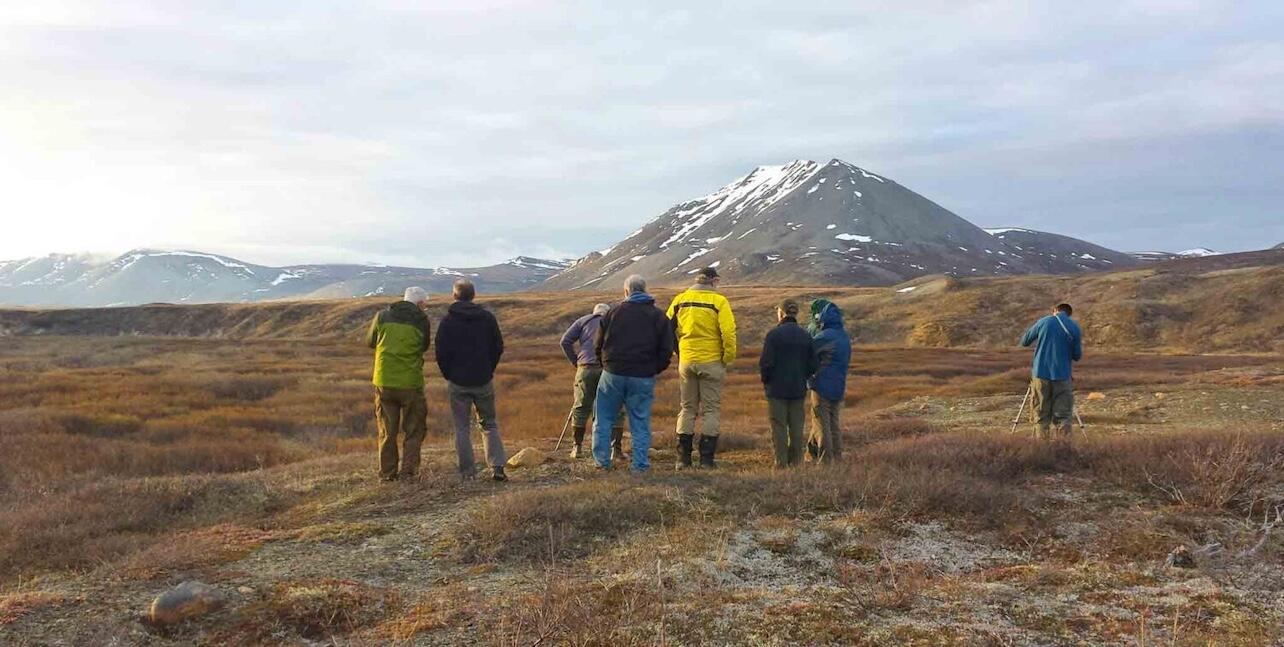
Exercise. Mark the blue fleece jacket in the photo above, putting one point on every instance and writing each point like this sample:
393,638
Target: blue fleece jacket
1059,344
834,349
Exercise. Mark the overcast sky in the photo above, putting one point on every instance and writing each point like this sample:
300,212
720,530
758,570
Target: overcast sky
465,132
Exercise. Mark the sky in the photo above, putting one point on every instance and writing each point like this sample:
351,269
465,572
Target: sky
466,132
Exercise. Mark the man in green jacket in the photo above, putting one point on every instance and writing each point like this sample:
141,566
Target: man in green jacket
399,337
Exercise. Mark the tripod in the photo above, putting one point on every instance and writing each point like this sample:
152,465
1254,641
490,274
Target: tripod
1029,392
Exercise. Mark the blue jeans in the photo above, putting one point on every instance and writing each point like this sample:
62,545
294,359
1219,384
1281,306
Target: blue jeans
636,394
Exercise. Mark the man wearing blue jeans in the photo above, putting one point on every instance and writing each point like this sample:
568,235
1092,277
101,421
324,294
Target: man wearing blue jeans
635,344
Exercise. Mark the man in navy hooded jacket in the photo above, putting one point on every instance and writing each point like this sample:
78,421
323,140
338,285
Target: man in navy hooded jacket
635,343
1058,344
829,385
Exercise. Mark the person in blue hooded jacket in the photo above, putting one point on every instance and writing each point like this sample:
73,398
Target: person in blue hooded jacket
1058,344
829,385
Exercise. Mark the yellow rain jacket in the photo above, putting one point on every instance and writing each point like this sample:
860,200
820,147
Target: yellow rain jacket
705,327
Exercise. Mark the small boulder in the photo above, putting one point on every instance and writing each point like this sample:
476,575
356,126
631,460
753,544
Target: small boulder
1096,395
184,602
1181,557
1160,395
529,457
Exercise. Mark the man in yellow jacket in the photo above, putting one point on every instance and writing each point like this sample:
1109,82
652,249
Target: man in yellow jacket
706,332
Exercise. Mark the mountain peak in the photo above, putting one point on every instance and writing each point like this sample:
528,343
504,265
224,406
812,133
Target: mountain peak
833,222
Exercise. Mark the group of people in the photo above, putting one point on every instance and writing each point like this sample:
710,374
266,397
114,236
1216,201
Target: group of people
468,345
618,350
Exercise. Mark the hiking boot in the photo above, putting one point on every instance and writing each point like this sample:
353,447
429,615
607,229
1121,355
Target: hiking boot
617,444
498,475
684,452
577,431
708,447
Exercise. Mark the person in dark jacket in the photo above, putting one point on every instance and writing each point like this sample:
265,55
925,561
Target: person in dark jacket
829,385
399,337
469,346
1058,344
578,344
635,343
788,359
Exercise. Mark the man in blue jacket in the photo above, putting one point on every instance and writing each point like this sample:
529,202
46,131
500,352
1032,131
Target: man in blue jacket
1058,344
829,385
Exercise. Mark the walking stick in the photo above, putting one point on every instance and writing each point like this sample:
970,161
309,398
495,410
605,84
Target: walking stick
566,425
1017,419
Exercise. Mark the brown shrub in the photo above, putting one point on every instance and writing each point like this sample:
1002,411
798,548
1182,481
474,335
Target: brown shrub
107,519
563,521
313,609
1206,469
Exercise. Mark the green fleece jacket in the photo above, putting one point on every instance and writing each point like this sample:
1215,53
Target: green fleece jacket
399,337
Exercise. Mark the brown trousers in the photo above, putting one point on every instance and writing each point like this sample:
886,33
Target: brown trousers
400,412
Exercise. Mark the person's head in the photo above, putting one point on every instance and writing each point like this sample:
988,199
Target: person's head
708,276
601,308
787,308
417,296
1063,308
464,290
635,284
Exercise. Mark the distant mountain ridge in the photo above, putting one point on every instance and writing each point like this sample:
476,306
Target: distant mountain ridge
175,276
826,223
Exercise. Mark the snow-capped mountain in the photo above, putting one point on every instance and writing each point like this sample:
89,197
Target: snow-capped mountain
148,275
1198,252
809,222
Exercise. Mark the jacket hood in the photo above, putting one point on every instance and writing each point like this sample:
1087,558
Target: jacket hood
405,307
640,297
467,310
831,317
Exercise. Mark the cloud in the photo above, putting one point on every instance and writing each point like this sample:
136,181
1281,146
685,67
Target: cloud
465,132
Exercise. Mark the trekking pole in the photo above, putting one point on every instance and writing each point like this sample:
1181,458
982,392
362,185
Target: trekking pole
1017,419
566,425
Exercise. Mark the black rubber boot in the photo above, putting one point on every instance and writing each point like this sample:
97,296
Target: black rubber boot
684,452
498,475
577,449
617,444
708,447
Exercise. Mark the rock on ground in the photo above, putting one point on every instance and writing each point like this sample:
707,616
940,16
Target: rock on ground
529,457
185,601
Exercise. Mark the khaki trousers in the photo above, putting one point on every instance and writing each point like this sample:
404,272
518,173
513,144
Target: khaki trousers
700,391
827,430
400,412
1054,405
788,417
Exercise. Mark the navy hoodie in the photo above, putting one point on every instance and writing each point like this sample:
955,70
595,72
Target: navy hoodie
834,350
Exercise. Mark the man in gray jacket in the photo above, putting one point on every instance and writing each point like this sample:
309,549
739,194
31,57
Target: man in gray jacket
577,344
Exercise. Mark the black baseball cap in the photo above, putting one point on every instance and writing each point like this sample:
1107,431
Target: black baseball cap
709,272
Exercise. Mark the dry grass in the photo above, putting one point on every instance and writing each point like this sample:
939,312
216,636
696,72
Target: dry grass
147,460
312,609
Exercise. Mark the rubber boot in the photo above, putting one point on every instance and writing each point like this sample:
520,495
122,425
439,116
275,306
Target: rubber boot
708,447
498,475
577,449
617,444
684,452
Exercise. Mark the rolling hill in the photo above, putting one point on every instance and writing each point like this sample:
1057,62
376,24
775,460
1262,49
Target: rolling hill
148,276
